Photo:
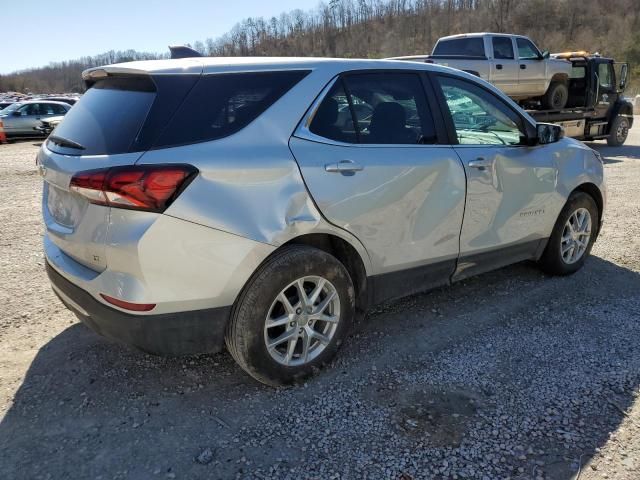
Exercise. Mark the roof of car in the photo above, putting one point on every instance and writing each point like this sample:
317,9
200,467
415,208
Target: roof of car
479,34
41,100
228,64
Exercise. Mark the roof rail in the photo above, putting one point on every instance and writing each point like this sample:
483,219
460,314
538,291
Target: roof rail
182,51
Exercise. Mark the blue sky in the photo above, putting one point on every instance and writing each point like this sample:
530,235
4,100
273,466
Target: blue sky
37,32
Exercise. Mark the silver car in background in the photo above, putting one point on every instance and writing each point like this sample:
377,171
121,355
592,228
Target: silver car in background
21,119
265,203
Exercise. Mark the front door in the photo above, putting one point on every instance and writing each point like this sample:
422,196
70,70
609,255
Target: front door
607,91
509,186
371,158
532,69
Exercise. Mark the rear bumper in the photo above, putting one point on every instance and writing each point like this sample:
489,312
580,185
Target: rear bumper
183,333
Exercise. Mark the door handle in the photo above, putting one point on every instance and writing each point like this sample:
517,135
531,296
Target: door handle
346,167
499,66
480,163
523,67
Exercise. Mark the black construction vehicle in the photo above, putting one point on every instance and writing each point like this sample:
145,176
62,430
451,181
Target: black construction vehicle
596,108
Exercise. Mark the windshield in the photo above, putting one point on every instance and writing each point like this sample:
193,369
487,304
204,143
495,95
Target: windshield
11,108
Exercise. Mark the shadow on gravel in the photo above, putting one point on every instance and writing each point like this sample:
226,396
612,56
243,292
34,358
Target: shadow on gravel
611,154
88,407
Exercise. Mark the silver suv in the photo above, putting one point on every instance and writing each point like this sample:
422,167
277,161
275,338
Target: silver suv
21,119
265,203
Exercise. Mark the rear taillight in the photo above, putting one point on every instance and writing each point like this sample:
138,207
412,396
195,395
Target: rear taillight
140,187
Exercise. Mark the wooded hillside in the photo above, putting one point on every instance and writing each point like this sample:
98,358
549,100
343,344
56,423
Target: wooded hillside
383,28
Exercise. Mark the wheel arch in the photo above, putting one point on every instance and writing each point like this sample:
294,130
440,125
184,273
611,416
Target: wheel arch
594,192
559,77
346,253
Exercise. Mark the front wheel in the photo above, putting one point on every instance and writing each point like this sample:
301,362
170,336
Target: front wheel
618,131
292,315
573,236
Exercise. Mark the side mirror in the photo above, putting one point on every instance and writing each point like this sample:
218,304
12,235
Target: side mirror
549,133
545,54
17,113
623,76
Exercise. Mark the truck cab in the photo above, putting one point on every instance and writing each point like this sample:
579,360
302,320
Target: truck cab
595,108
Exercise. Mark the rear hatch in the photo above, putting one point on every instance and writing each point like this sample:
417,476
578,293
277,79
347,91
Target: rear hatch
113,124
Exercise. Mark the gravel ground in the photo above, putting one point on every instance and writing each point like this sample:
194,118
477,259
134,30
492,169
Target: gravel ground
508,375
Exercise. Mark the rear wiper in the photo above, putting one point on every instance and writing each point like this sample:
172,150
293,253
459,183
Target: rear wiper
65,142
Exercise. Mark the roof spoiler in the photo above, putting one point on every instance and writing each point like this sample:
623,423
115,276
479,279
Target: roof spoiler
182,51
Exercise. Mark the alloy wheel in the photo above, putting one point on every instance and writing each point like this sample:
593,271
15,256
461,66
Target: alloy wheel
575,236
302,321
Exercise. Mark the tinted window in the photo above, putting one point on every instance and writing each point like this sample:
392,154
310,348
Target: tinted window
479,117
502,48
30,109
390,108
58,109
527,50
108,116
52,109
472,46
333,119
220,105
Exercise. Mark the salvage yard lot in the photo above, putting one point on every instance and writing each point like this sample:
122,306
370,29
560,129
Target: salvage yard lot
510,374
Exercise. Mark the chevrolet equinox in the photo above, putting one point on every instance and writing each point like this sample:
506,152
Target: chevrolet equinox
264,203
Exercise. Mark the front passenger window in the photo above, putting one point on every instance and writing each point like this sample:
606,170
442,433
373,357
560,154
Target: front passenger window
478,116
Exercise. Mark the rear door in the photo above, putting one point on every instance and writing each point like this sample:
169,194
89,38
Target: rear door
371,156
504,66
511,202
532,68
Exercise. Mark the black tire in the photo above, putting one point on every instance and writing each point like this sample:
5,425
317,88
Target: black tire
556,97
618,131
245,334
552,261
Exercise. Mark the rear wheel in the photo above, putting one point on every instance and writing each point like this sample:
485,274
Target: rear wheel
572,237
556,97
292,316
618,132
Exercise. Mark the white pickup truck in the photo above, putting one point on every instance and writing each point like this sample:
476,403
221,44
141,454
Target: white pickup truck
512,63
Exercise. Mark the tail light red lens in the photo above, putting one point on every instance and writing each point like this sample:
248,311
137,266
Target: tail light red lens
139,187
134,307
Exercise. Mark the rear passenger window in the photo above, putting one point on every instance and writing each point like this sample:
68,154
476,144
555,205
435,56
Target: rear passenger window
376,108
222,104
333,118
58,109
390,108
502,48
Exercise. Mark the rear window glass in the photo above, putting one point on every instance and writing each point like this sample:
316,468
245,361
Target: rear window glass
222,104
108,117
473,46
